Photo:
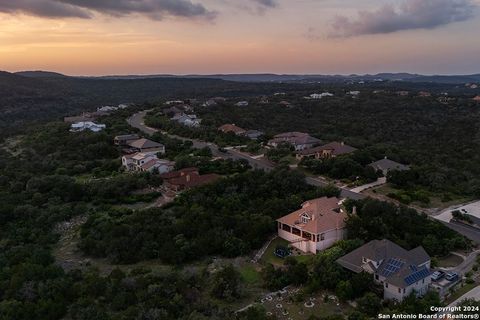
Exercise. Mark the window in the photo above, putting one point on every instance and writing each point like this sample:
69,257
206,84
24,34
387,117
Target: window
305,218
386,285
399,290
377,277
322,236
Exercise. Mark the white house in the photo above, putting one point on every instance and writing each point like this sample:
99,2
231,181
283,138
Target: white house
399,271
318,225
321,95
189,120
107,109
146,162
242,104
87,125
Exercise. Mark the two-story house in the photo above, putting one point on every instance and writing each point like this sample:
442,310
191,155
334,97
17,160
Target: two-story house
401,272
316,226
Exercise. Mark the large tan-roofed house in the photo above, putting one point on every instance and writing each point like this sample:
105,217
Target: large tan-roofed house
318,225
147,146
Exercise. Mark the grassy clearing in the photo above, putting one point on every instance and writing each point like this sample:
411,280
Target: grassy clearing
270,257
250,274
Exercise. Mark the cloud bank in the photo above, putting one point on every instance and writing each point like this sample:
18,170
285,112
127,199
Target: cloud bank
267,3
153,9
411,14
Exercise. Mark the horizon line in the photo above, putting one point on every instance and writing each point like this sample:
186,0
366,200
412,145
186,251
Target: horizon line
247,73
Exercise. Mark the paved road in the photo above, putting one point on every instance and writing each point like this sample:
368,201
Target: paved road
470,232
137,121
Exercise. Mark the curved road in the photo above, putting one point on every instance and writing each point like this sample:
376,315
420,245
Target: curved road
137,121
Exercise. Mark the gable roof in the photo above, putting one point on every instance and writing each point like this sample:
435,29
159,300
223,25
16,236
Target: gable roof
397,265
145,144
337,148
387,165
324,214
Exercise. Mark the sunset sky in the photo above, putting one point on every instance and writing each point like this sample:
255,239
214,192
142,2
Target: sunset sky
99,37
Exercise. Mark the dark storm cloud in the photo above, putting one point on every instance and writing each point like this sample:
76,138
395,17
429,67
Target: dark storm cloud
154,9
43,8
411,14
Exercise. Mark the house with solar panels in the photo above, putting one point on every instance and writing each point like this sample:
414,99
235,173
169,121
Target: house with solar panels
401,272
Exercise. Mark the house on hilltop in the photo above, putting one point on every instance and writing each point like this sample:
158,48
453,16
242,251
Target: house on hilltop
329,150
318,225
242,104
86,125
321,95
399,271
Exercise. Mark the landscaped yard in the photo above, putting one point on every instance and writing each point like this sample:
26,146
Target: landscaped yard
250,274
287,305
270,257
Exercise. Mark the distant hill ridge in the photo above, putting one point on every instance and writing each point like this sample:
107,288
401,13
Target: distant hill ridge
40,74
271,77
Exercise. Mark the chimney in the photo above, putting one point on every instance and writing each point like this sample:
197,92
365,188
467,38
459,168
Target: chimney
188,178
343,143
354,210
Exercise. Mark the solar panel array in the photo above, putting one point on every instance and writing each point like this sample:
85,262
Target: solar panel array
416,276
393,265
